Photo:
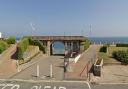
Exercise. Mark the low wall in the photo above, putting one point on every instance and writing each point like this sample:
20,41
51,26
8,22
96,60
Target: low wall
33,50
98,67
75,59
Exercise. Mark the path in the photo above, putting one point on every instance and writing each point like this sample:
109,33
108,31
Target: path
80,68
7,63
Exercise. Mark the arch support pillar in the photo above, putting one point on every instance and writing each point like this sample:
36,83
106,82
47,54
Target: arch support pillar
48,48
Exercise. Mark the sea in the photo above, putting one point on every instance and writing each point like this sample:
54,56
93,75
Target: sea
108,40
58,47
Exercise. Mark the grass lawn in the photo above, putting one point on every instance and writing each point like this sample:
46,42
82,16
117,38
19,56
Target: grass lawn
102,55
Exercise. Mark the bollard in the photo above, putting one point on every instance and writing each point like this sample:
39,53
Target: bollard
51,74
37,72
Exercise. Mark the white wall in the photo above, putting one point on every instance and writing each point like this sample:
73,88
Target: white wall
75,59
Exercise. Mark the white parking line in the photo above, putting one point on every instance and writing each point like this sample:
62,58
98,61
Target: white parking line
88,85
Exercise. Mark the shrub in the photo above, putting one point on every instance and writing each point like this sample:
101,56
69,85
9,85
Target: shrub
41,47
11,40
1,49
121,56
37,43
21,48
19,53
121,45
23,45
3,46
103,49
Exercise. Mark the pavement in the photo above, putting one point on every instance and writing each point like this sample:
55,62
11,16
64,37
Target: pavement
113,74
110,86
44,69
82,67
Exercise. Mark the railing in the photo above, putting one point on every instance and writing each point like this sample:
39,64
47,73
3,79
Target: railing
58,37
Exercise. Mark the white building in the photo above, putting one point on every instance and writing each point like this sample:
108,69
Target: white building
0,35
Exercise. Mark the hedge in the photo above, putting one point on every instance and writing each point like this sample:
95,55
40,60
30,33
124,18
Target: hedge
121,56
103,49
121,45
11,40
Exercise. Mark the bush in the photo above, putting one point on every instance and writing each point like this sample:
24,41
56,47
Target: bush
121,45
23,45
1,49
3,46
19,53
11,40
21,48
41,47
121,56
103,49
37,43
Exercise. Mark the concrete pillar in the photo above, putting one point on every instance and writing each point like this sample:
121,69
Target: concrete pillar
72,46
66,48
78,46
48,48
66,45
75,47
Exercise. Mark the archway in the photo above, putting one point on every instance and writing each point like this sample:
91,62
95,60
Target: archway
57,48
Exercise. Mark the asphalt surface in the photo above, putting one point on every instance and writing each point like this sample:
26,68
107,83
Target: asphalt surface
15,84
44,69
42,85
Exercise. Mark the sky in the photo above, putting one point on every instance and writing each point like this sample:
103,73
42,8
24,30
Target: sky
92,18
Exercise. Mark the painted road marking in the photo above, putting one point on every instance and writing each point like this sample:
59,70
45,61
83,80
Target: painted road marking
39,81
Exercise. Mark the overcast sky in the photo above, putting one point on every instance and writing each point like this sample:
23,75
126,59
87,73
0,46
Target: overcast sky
64,17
